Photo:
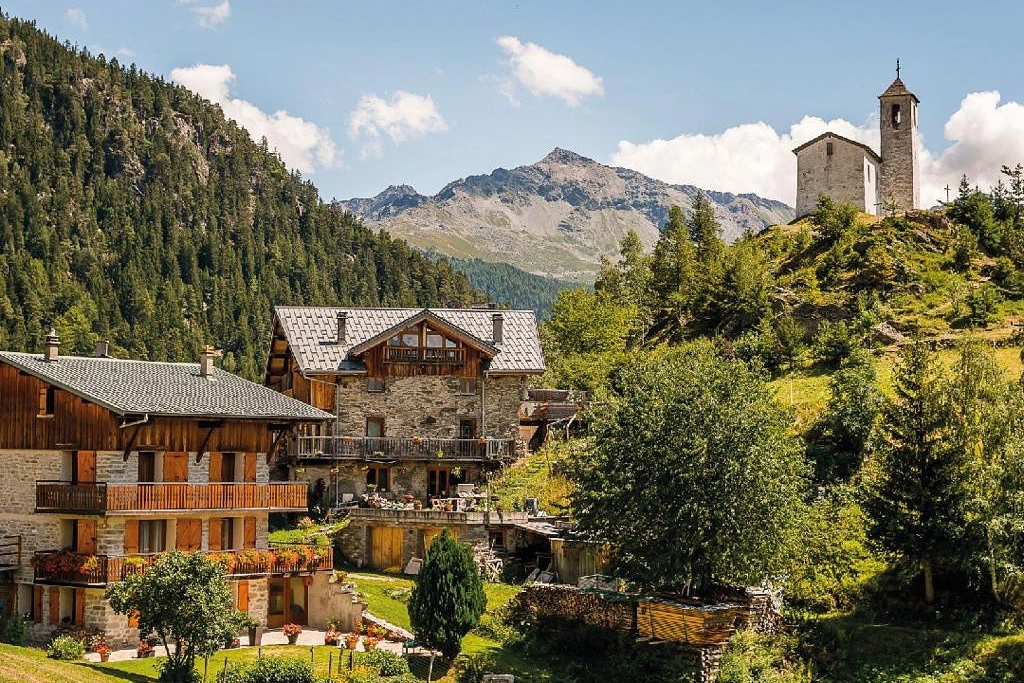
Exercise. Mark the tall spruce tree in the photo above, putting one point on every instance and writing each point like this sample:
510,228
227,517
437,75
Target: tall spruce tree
674,276
448,598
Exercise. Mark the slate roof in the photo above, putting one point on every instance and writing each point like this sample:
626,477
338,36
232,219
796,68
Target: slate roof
897,88
163,389
311,333
829,134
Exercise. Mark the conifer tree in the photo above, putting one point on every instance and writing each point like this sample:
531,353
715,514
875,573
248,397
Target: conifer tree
448,598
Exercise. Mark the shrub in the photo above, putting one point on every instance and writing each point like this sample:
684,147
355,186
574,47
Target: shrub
387,663
272,670
65,648
833,342
13,630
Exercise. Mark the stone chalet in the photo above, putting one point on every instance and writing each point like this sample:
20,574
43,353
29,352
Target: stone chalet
425,401
106,463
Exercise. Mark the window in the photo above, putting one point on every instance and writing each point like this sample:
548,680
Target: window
379,476
227,533
375,426
375,385
897,116
467,386
46,401
869,174
147,467
442,481
828,149
152,535
227,467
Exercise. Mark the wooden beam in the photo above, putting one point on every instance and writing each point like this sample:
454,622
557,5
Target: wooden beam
206,439
277,442
131,442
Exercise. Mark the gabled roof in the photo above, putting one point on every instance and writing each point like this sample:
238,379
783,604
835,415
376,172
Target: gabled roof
426,315
311,334
897,89
835,136
163,389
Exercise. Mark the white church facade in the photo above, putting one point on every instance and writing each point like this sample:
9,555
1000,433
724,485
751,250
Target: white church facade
850,171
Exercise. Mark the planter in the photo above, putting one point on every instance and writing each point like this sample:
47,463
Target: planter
105,657
256,635
351,642
292,639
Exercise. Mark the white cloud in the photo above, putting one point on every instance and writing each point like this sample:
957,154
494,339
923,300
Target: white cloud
405,116
76,17
754,157
302,145
209,16
543,72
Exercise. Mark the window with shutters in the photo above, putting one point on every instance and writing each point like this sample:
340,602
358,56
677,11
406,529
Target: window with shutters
152,535
46,399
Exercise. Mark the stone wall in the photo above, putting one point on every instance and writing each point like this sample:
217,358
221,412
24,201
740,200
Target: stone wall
847,175
259,599
329,601
900,153
428,406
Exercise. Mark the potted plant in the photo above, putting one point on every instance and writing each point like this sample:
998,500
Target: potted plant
352,640
251,625
291,632
417,504
370,643
144,649
103,650
333,634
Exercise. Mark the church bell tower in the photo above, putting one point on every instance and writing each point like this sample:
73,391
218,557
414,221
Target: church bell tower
898,127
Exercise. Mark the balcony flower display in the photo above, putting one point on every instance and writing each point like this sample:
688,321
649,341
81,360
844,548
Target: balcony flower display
288,559
66,561
226,560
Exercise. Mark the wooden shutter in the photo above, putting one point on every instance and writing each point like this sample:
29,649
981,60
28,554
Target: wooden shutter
189,535
250,467
175,466
86,466
86,533
37,604
215,466
133,619
79,607
131,536
54,612
213,543
250,533
243,596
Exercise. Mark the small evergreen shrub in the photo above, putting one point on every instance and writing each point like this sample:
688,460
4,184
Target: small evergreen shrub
387,663
66,649
13,630
272,670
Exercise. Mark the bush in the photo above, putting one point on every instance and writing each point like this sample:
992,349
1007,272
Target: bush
833,342
66,649
759,657
13,630
387,663
273,670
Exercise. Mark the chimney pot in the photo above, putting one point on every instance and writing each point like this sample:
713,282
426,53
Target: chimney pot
498,328
206,361
342,325
102,349
51,350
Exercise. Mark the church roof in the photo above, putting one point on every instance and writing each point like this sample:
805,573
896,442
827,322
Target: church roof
897,89
829,134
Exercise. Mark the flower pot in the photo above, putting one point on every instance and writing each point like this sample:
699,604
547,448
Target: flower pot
104,656
256,635
292,639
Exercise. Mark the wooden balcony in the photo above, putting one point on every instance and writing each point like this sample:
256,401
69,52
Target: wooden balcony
124,499
65,568
425,355
10,552
403,448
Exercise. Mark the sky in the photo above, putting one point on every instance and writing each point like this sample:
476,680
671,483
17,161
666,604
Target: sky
361,95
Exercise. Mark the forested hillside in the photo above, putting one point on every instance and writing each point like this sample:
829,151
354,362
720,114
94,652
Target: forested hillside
131,210
507,285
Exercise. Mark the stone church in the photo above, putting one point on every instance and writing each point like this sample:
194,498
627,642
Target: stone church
850,171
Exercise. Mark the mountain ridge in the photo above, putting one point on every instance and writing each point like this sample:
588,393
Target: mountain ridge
557,217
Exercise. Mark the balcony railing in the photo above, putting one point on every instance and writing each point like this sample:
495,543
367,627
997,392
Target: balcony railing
101,498
65,568
424,354
403,448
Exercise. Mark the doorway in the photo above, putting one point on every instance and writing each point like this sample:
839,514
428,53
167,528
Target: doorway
287,601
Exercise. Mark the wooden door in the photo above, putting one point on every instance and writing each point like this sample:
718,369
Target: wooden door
131,536
215,466
175,466
242,599
85,536
249,536
189,535
79,618
250,467
54,608
385,547
85,467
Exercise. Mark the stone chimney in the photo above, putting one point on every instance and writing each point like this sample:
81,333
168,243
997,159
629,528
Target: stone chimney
498,328
342,326
51,349
206,361
102,349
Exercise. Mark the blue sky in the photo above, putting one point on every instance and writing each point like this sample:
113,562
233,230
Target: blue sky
426,92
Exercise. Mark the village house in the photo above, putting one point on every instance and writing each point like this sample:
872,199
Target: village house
105,463
426,405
